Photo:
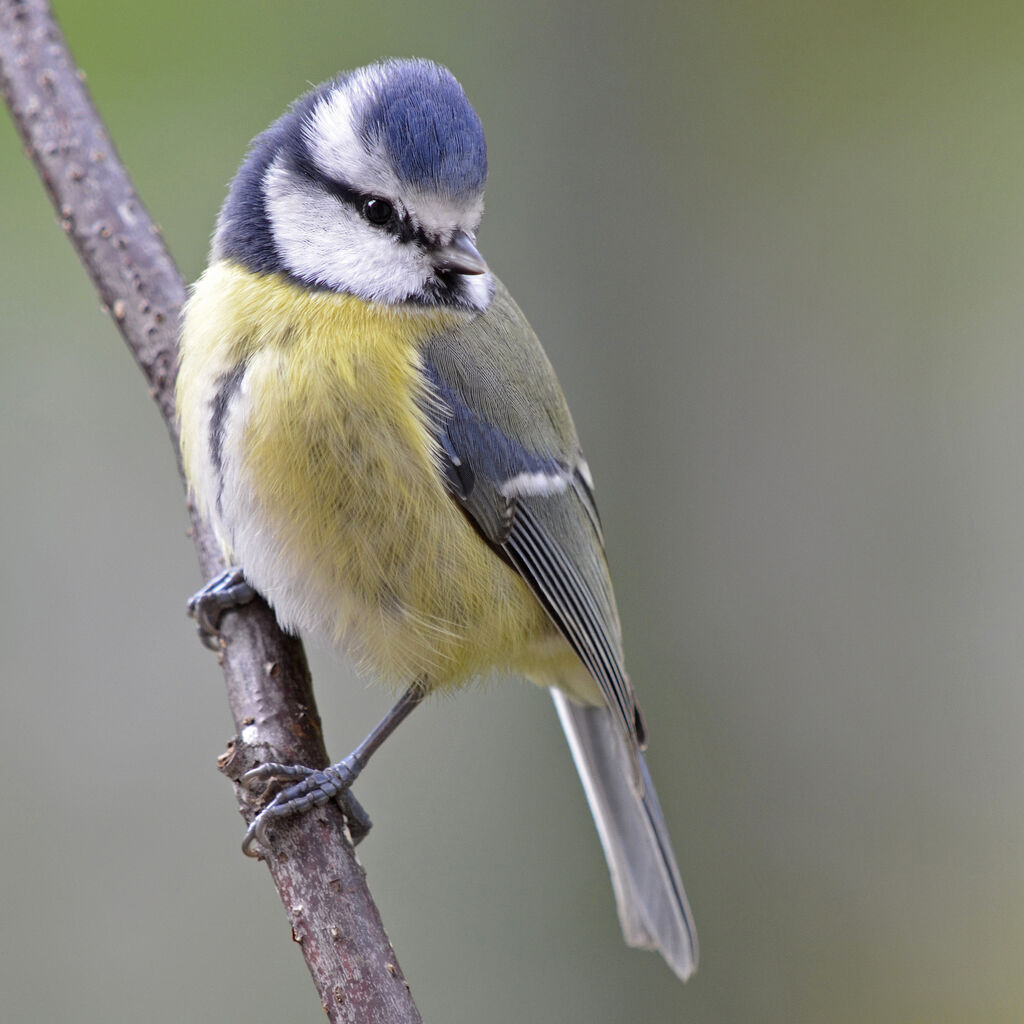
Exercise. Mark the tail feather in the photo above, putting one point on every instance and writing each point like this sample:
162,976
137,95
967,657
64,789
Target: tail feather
648,892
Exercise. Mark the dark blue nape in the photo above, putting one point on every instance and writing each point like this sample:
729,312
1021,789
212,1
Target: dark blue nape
243,229
428,128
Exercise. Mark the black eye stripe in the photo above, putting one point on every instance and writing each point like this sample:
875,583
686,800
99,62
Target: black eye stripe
400,224
341,191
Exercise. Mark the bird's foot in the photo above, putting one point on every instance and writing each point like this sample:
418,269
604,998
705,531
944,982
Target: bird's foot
315,788
224,592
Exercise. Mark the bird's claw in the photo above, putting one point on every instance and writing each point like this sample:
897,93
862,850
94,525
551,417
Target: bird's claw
315,788
224,592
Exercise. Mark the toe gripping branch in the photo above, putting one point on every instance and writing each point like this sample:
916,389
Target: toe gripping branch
312,787
224,592
315,788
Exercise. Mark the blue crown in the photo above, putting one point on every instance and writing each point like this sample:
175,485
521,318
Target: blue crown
423,121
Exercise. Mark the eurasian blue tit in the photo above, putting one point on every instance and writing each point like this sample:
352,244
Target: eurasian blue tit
383,450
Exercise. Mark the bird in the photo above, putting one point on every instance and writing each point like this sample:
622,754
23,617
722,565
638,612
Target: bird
384,453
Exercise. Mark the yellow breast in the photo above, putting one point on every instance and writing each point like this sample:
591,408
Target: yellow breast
326,488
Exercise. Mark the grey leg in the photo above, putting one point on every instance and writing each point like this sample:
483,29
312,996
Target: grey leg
318,787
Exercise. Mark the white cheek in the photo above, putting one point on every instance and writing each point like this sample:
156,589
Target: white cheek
326,243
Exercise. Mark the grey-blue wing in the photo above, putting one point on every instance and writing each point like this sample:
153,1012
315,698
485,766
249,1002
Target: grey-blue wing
512,462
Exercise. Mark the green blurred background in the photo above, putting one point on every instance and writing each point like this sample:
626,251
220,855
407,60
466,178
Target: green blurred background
774,250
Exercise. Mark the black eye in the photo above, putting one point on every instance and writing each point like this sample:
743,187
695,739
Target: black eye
377,211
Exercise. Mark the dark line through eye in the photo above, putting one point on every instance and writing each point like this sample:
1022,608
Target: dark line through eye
399,225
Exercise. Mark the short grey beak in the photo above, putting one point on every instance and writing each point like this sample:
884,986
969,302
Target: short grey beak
459,256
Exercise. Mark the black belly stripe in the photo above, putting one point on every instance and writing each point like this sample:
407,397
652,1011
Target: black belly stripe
227,388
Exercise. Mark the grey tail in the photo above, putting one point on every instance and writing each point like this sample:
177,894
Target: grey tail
648,892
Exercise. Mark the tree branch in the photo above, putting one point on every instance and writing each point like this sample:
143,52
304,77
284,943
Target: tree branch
322,885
